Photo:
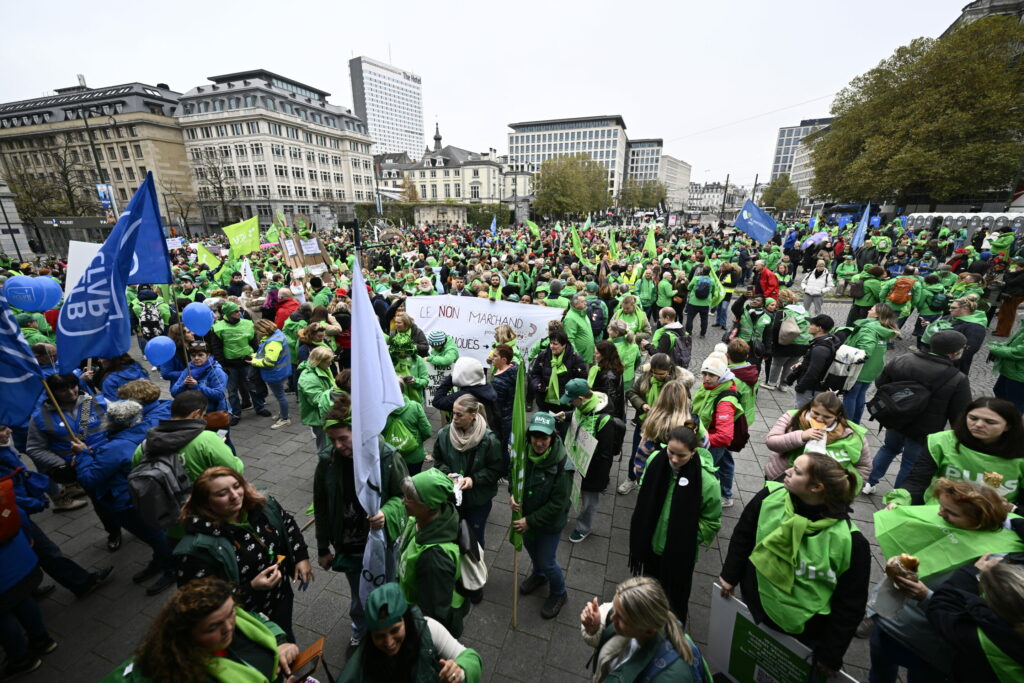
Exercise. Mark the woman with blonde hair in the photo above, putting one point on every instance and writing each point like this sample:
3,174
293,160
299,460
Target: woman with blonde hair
671,409
246,538
504,334
316,382
637,637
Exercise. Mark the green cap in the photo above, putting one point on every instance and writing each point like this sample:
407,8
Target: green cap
542,422
434,487
385,606
574,388
228,307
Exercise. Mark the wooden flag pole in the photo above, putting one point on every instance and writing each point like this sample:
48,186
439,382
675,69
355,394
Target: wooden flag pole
64,419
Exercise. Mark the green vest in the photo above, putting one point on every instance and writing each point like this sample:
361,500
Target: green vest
955,461
822,558
408,559
235,337
1006,667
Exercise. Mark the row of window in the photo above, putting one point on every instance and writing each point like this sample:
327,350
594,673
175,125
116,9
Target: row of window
567,125
603,148
253,128
271,104
565,136
284,191
242,151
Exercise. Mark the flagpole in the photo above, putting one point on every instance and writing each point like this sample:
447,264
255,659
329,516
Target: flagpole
515,589
49,393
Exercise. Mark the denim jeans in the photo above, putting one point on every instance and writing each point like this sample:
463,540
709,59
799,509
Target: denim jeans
64,571
1010,390
355,608
726,468
636,444
722,312
542,549
692,312
802,398
20,619
894,444
476,517
780,368
238,382
853,402
259,399
320,437
588,506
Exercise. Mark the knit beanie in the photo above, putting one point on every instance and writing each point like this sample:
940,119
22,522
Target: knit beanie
436,338
717,363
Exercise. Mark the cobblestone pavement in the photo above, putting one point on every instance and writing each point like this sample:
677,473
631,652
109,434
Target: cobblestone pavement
101,630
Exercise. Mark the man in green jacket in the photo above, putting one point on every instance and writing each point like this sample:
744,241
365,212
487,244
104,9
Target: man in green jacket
666,290
443,351
341,523
321,296
646,292
577,328
872,278
233,338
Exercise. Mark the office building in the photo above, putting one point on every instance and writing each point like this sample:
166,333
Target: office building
258,143
602,137
389,101
644,159
674,174
787,142
81,136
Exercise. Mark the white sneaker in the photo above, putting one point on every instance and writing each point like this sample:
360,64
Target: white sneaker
728,502
281,423
626,486
868,489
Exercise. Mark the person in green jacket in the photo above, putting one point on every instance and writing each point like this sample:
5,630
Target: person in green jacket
544,510
30,328
632,315
845,273
320,295
678,507
896,288
233,338
316,383
202,636
429,563
577,327
414,431
1008,358
405,645
872,278
666,290
871,335
443,352
556,299
646,290
629,352
637,637
342,524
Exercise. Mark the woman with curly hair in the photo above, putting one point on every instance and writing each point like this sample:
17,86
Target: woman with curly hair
202,635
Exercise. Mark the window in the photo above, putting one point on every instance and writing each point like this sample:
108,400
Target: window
325,176
433,191
192,134
446,172
248,191
328,194
250,100
476,172
264,191
259,170
280,170
133,131
310,157
423,190
355,164
447,190
124,152
222,131
474,191
275,128
359,195
277,150
358,180
339,178
268,103
218,105
256,148
99,154
234,102
237,129
298,173
245,171
300,191
142,171
293,133
240,150
335,160
130,172
295,152
458,191
433,174
253,127
314,192
206,131
123,194
224,151
117,174
284,190
308,137
323,159
457,174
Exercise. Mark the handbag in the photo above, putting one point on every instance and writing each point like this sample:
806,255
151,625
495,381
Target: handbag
471,559
218,419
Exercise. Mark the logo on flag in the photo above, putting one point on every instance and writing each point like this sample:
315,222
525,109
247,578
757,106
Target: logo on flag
20,374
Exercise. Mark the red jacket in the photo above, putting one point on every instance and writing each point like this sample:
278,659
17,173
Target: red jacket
768,283
285,309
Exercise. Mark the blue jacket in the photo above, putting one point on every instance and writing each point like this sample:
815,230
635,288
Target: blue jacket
29,486
156,411
172,368
277,369
48,370
103,471
113,381
17,558
212,382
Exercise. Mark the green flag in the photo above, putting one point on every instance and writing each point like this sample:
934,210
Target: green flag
206,257
577,248
244,237
272,234
613,248
651,244
717,290
533,228
518,445
586,226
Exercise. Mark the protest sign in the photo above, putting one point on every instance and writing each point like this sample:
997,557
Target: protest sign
743,651
579,446
310,246
80,255
174,242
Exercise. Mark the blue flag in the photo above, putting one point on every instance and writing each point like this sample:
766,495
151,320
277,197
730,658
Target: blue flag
94,321
21,378
862,229
755,222
494,225
151,264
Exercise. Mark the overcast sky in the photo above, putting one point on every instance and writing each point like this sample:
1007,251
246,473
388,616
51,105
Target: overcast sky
715,80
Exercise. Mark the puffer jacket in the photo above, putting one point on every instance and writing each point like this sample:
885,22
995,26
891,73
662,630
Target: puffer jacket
113,381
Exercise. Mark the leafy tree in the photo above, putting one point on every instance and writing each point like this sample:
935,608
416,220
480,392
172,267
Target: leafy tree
571,184
410,193
645,194
940,118
34,197
781,194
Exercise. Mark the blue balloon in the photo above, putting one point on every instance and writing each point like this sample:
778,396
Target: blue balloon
198,318
159,350
52,292
28,293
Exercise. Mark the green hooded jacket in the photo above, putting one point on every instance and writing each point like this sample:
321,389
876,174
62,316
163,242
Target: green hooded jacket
446,357
871,337
1009,356
314,390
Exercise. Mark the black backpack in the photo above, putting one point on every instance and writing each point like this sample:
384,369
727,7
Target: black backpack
703,289
740,431
682,349
939,302
159,486
898,405
595,311
857,288
151,323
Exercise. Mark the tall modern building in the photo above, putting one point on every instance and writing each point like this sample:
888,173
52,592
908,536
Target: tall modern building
789,139
644,159
602,137
674,174
81,136
648,163
257,143
390,101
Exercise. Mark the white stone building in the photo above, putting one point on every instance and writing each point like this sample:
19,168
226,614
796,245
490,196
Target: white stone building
389,101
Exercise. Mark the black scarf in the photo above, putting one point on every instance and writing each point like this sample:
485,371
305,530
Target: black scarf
680,554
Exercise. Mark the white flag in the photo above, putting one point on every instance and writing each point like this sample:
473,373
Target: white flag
247,274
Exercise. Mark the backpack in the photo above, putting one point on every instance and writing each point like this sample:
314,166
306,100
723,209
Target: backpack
682,349
789,330
939,302
159,486
703,289
857,288
595,311
400,437
846,365
900,293
937,325
740,431
898,405
151,323
10,518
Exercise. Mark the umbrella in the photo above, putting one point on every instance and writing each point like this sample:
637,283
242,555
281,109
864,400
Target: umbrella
816,238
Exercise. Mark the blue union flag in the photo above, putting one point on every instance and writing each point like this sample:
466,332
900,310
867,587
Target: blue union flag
20,375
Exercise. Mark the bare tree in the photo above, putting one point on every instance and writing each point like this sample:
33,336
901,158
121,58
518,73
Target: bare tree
181,199
218,184
71,175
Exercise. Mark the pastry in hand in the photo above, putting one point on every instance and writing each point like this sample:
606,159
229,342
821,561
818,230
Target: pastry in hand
903,565
993,479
